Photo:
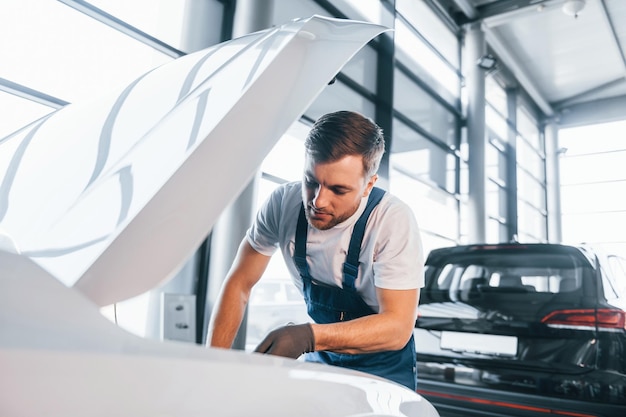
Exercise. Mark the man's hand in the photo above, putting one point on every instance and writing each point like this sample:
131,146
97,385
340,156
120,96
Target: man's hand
289,341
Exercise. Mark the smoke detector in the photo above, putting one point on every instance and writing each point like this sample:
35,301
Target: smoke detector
573,7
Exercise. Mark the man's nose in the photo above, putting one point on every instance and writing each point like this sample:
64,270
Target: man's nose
321,198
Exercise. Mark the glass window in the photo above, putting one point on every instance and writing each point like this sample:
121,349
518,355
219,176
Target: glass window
593,185
530,160
549,273
431,27
286,160
61,52
606,137
496,122
419,158
362,68
370,10
530,190
531,177
599,167
496,162
527,127
463,221
435,210
497,198
162,19
531,223
496,201
339,96
432,241
424,62
420,107
598,197
463,179
496,231
594,227
286,10
496,96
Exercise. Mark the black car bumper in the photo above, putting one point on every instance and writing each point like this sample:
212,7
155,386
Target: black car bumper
465,401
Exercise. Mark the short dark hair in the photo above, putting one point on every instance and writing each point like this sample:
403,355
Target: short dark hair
342,133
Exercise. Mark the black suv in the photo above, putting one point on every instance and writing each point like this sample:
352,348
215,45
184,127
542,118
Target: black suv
523,330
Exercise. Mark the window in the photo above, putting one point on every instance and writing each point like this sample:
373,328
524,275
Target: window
593,185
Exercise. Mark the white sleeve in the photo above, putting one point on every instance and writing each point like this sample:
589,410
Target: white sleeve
263,234
399,259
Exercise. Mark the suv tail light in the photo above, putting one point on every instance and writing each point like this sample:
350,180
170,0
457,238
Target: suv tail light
587,319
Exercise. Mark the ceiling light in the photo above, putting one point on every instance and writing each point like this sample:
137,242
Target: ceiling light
573,7
487,62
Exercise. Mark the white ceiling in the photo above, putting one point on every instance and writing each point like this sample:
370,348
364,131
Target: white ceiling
573,67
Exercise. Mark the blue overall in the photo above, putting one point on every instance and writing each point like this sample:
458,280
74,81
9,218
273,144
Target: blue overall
331,304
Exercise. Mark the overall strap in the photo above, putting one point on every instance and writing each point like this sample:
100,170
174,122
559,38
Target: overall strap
299,255
351,266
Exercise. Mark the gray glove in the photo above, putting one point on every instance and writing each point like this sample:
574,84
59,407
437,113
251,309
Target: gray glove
289,341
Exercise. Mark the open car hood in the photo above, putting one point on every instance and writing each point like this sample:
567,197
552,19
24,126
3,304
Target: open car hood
114,195
104,200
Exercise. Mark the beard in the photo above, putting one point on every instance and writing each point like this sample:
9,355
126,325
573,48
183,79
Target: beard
323,220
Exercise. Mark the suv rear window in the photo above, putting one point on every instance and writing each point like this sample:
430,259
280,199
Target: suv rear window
514,273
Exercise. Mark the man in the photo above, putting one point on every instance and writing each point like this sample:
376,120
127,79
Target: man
353,250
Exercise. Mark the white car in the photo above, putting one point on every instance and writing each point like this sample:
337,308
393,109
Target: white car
100,202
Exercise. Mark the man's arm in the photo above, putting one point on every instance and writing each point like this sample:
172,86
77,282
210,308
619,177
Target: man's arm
227,314
390,329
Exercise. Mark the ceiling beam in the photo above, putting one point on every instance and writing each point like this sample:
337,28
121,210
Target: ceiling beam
493,18
513,65
609,22
468,9
580,97
592,112
506,10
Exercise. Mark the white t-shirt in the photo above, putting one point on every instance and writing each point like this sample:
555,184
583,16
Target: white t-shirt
391,253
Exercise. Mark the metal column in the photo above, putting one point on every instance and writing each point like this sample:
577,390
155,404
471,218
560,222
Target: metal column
475,81
553,183
511,166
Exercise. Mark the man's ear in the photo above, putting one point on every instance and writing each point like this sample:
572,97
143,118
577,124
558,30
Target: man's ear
370,185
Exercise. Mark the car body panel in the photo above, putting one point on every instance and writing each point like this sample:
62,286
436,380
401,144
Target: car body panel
495,342
101,201
60,357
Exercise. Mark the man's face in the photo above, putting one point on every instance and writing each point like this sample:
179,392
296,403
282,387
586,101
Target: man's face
332,191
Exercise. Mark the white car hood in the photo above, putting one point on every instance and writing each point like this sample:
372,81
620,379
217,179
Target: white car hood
104,200
113,196
59,357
